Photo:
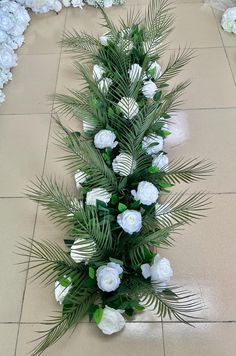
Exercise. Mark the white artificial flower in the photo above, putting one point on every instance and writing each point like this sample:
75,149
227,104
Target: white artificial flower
80,177
77,3
7,57
161,161
7,21
98,72
135,72
57,6
105,139
156,69
5,76
129,107
146,270
104,85
146,193
149,89
105,38
123,164
97,194
152,144
82,250
87,126
130,221
161,271
61,291
108,278
116,266
2,97
3,36
112,321
107,3
228,21
66,3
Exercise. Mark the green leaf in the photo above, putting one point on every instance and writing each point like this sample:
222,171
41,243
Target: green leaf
115,260
122,207
91,272
65,282
129,311
139,307
98,315
114,199
153,169
123,183
162,183
157,96
68,242
169,292
165,133
135,204
105,156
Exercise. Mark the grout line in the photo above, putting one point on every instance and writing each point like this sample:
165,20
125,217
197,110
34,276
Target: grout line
163,337
36,216
224,47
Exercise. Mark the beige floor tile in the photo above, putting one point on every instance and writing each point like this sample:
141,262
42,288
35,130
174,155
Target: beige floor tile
200,134
228,39
23,148
8,335
212,84
231,53
68,77
16,221
134,340
205,339
203,256
44,33
195,26
34,79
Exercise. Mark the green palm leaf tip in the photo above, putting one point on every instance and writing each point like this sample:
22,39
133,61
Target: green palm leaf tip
98,224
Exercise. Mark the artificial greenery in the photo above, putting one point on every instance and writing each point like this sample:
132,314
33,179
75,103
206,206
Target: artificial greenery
99,238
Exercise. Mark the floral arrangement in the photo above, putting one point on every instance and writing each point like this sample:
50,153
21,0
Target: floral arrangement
228,21
117,220
14,19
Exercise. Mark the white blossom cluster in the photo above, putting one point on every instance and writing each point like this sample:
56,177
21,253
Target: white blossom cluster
13,21
228,21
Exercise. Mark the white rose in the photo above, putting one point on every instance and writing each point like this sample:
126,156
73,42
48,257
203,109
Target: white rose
160,161
229,19
97,194
156,69
104,85
57,6
80,177
112,321
77,3
130,221
2,97
108,278
148,144
7,21
161,271
61,291
87,126
66,3
7,57
146,193
105,38
116,266
98,72
104,139
77,252
135,72
149,89
107,3
146,270
123,164
129,107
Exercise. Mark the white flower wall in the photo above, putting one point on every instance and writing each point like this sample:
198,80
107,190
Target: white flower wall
14,19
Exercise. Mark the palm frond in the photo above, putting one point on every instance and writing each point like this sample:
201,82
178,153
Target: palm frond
83,45
176,209
188,170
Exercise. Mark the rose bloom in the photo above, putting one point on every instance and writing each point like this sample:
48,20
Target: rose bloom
105,139
97,194
129,107
130,221
152,144
146,193
123,164
108,278
112,321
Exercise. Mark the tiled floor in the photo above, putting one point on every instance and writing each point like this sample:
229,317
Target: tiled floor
204,255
